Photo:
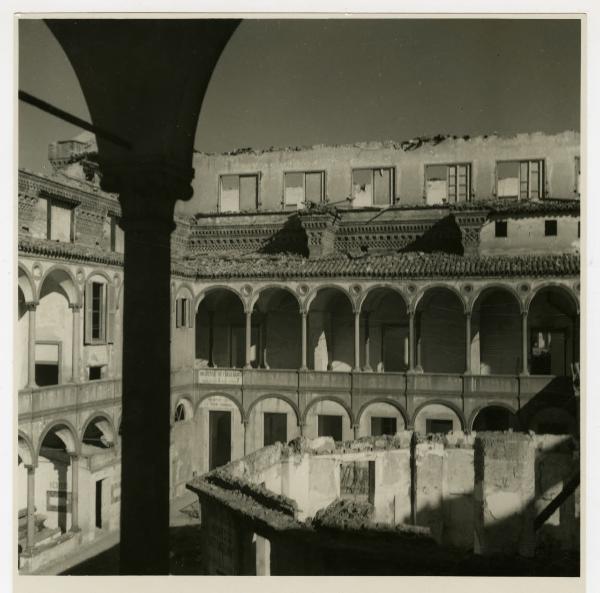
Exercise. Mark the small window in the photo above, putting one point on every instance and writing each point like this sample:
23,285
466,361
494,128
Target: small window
435,425
95,373
501,228
520,179
372,187
238,193
303,187
550,228
100,312
47,363
447,183
182,312
180,413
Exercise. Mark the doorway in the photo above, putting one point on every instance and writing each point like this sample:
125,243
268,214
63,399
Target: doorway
219,438
275,428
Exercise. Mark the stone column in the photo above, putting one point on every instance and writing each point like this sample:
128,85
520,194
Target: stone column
525,346
356,341
147,192
468,343
411,341
264,334
76,346
31,307
304,321
30,506
367,366
248,364
74,492
211,338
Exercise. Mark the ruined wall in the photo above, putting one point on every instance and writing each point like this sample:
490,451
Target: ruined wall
466,492
526,235
559,152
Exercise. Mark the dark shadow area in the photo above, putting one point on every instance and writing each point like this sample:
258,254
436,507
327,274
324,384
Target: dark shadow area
444,235
184,556
290,238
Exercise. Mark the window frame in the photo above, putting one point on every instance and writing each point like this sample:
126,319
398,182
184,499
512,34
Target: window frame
469,190
372,169
256,174
304,172
519,161
107,311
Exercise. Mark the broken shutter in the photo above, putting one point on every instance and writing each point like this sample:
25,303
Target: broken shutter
87,324
111,314
451,172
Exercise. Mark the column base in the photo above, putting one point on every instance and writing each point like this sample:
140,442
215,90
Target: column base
367,369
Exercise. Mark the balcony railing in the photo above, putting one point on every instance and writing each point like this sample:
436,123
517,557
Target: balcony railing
34,403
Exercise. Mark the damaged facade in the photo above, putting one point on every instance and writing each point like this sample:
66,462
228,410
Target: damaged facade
346,291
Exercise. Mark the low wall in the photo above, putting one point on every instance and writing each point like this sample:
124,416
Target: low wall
463,492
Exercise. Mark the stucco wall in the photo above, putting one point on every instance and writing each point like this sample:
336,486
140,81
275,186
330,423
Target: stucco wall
559,152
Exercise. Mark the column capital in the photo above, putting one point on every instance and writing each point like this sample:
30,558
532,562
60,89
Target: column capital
75,307
31,305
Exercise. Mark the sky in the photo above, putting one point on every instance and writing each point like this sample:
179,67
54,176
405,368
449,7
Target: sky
304,82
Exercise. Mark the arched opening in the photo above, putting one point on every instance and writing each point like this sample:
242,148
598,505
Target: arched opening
553,333
380,418
21,353
54,329
272,420
437,419
98,436
496,333
385,331
553,420
331,331
440,340
54,477
495,418
328,418
221,331
277,315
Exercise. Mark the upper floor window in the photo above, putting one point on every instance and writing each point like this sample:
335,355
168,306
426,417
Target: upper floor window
238,192
99,311
372,187
447,183
520,179
550,228
182,312
303,187
577,175
501,229
55,220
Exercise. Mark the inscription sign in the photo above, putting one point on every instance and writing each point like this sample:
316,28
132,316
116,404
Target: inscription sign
58,500
219,376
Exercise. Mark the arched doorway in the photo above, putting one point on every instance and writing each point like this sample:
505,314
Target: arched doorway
221,331
437,418
277,314
385,331
331,331
497,418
